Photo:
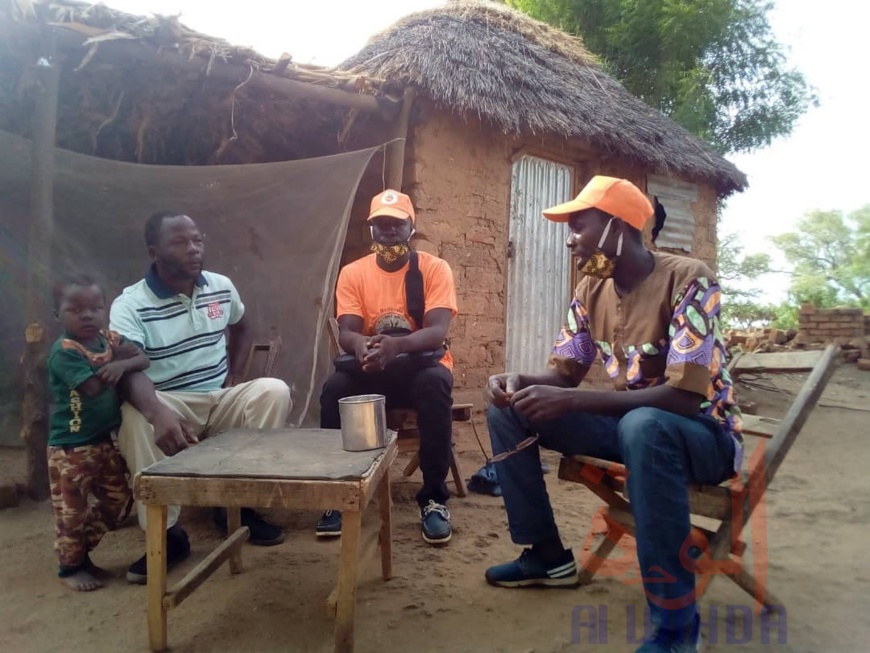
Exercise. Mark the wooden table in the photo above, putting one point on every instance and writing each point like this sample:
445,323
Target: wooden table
280,468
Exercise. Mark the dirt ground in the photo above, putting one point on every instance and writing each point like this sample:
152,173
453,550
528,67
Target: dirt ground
818,511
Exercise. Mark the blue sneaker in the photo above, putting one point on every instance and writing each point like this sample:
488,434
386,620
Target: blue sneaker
329,524
674,641
529,569
435,523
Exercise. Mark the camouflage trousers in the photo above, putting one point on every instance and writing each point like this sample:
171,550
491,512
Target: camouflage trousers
89,493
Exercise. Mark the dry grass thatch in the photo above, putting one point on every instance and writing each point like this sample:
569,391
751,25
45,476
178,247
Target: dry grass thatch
151,90
483,59
101,24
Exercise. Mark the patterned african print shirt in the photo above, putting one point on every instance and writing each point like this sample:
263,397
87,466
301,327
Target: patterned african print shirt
666,331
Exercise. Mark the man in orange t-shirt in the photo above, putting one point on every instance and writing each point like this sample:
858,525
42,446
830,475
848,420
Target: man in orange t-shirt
396,354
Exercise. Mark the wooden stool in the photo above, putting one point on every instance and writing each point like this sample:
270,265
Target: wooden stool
404,422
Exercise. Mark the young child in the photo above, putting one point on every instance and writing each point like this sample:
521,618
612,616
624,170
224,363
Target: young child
89,487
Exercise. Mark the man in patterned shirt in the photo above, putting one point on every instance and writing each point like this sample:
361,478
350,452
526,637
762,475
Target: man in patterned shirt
653,319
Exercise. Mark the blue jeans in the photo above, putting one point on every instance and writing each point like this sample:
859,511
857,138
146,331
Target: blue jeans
663,453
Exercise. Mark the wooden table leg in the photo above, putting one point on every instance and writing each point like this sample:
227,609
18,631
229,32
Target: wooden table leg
385,505
351,522
456,470
234,523
155,538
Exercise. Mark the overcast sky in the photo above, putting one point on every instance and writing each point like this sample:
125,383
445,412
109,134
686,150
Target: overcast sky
821,165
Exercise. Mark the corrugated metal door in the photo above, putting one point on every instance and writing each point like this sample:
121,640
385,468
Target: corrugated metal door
538,268
676,196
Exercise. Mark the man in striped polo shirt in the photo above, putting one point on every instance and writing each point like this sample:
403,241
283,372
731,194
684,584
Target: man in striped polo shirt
178,315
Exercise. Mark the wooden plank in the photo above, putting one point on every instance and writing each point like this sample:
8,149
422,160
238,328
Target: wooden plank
395,154
369,485
249,493
347,581
155,541
781,362
759,425
385,537
711,501
462,412
456,471
199,574
571,469
333,331
735,361
234,523
285,453
800,410
405,419
40,235
760,476
272,349
590,565
747,583
413,464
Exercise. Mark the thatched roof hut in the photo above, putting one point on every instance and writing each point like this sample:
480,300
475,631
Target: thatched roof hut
150,90
497,64
511,115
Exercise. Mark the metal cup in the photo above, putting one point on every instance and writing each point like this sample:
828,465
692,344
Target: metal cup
363,422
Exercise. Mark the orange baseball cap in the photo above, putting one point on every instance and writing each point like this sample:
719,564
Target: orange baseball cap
618,197
393,204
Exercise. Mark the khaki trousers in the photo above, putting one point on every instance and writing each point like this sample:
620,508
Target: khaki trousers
258,404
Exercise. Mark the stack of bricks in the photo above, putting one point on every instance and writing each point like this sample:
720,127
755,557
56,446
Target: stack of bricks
841,325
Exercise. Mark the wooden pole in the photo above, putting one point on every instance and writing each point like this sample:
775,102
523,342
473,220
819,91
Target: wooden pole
395,154
39,239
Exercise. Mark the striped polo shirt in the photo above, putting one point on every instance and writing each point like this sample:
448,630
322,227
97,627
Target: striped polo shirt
184,337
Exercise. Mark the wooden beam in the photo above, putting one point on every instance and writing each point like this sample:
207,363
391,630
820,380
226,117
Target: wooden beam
199,574
39,241
254,492
347,580
766,427
395,154
800,410
777,362
759,478
155,543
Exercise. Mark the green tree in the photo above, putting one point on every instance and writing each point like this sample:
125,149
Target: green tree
830,255
713,66
737,273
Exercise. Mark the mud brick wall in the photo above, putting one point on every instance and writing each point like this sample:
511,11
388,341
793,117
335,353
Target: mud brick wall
840,325
459,176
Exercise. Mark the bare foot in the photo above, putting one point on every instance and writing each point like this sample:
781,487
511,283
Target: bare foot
81,581
97,572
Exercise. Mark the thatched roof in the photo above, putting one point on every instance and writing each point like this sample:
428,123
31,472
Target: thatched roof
526,77
149,89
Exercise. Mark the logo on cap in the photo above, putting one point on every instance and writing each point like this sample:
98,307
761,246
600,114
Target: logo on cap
389,198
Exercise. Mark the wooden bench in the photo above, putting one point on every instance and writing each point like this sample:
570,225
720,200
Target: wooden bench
733,503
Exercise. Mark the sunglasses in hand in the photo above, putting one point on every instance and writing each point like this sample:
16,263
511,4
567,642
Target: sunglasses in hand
525,444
